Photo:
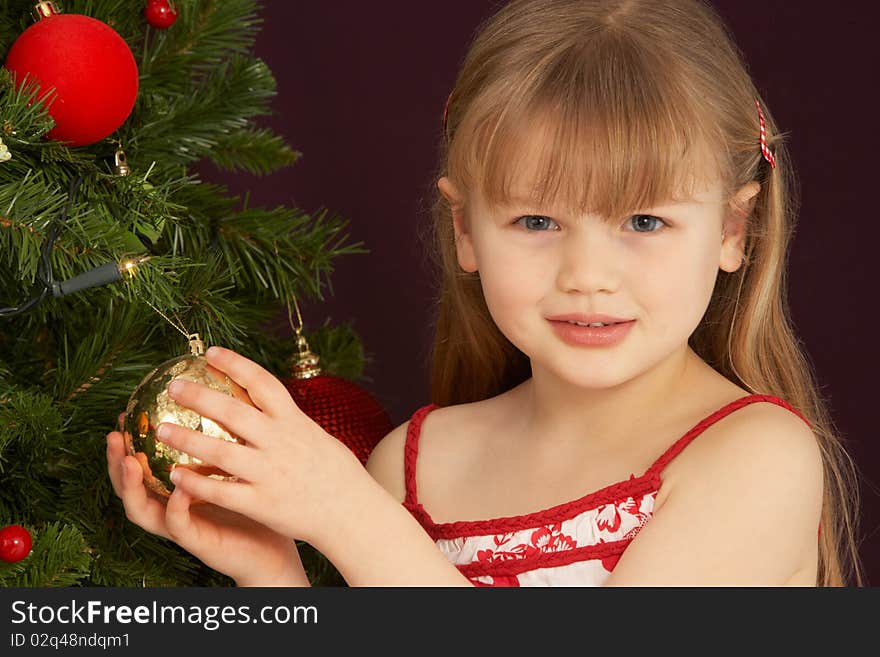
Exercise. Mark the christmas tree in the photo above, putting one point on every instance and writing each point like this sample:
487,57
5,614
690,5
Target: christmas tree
152,239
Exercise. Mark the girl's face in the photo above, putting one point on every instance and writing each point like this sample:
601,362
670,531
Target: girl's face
657,265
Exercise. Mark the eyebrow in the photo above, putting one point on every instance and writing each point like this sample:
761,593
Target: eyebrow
515,201
519,200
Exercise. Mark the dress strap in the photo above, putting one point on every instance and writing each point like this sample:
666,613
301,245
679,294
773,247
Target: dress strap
711,419
411,451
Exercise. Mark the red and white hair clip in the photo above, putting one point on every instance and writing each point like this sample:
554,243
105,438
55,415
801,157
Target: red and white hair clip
768,154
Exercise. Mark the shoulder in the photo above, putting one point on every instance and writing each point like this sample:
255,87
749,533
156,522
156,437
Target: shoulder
744,506
454,423
759,434
385,463
759,450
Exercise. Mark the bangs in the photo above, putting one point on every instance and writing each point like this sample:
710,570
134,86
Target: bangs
605,139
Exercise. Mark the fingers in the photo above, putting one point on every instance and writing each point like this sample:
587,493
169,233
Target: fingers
231,495
236,416
233,458
115,454
265,390
140,508
178,520
116,451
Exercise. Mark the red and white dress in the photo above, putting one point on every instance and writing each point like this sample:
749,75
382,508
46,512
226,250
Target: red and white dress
577,543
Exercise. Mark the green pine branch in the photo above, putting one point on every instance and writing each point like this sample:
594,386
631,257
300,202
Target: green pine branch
214,265
256,151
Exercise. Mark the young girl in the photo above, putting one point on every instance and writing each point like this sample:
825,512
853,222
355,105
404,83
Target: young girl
604,161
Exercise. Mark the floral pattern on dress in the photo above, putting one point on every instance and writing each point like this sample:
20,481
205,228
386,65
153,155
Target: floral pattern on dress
610,516
606,523
543,539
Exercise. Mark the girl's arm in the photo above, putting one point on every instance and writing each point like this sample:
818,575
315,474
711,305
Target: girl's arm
379,543
743,508
414,557
296,576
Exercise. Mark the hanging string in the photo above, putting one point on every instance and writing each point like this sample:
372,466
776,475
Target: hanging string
296,330
196,345
179,326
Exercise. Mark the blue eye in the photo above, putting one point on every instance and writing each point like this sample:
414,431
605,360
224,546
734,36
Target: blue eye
535,223
645,221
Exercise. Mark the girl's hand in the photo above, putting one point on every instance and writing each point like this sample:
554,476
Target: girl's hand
293,476
228,542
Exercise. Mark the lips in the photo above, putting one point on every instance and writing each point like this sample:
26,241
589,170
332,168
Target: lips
589,318
590,336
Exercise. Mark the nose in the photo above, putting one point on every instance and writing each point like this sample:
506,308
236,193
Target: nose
588,261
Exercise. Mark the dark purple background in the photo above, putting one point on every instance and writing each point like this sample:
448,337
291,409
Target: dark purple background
361,93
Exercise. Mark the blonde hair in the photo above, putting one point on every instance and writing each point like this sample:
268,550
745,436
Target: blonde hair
633,95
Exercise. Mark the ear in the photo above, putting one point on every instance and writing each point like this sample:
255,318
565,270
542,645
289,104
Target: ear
735,223
464,245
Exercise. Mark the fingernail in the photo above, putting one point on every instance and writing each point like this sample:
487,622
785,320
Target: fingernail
175,387
163,430
175,476
212,352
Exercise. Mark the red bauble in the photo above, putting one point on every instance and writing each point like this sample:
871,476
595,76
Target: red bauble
343,409
15,543
91,68
160,14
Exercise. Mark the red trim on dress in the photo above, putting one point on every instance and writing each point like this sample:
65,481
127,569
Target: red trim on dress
411,452
634,487
708,421
544,560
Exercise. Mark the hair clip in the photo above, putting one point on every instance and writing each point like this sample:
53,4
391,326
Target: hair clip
768,155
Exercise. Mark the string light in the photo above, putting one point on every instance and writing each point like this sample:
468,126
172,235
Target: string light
109,272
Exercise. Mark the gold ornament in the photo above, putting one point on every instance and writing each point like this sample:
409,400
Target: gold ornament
150,405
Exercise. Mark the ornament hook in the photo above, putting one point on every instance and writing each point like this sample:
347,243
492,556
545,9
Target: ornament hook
45,9
196,346
120,164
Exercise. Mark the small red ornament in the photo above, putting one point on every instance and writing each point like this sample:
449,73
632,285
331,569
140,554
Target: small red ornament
90,67
342,408
15,543
160,14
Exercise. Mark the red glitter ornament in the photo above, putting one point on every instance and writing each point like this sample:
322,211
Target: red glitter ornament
90,67
15,543
342,408
160,14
